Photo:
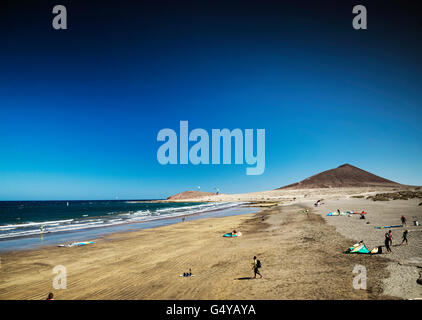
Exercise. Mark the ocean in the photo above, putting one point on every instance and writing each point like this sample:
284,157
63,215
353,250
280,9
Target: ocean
25,224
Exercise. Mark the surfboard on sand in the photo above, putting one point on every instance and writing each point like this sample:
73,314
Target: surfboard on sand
76,244
386,227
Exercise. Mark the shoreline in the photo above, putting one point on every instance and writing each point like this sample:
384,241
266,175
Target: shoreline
146,264
94,233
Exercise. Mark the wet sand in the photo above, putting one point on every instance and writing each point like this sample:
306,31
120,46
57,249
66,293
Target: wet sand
301,257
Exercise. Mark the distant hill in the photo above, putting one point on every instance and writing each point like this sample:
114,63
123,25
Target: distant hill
190,195
345,175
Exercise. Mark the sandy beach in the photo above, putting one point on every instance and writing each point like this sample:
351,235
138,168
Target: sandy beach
136,136
405,260
301,255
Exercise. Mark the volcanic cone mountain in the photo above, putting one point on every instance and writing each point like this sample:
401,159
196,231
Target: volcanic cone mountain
345,175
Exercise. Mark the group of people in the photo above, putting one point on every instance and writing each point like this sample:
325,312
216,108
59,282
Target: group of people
256,265
188,274
388,241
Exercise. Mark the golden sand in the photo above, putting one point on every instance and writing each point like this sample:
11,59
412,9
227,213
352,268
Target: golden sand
301,258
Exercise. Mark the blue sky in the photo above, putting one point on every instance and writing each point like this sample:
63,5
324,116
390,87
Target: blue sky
80,109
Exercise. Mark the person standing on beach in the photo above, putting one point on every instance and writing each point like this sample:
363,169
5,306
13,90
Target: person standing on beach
403,220
256,265
404,236
390,236
387,242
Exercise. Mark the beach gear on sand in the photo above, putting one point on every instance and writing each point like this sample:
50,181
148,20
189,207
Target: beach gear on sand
355,212
377,250
232,235
76,244
361,248
386,227
336,213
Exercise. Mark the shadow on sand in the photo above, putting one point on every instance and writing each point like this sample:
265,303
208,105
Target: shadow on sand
245,278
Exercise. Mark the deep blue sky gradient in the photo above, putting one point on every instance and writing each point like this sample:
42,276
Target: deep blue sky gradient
80,109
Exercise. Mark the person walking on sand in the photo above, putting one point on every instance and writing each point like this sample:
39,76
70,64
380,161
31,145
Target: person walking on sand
255,266
387,242
403,220
404,236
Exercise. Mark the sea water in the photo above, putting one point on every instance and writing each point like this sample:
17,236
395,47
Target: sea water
27,224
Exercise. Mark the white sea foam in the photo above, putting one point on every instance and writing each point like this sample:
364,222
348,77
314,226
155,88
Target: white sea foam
32,228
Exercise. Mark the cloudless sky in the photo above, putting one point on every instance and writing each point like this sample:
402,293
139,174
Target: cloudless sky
80,109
